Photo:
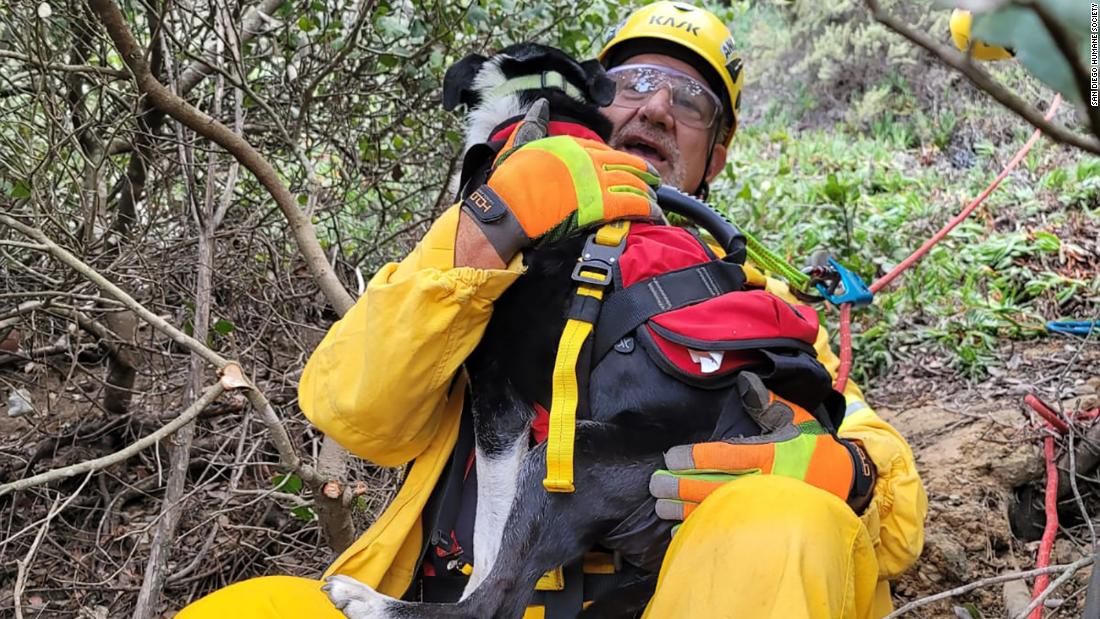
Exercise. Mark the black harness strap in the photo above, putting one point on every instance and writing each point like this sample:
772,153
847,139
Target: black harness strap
567,603
628,308
441,512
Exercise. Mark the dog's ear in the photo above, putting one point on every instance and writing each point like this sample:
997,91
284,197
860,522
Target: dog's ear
601,89
458,81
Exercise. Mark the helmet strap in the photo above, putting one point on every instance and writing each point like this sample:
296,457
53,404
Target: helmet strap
703,190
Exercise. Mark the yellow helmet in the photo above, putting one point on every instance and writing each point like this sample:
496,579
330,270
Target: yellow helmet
678,30
960,33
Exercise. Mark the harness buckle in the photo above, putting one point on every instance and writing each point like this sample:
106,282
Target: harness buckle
597,262
835,276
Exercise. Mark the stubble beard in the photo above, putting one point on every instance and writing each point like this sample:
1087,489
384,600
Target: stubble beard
675,174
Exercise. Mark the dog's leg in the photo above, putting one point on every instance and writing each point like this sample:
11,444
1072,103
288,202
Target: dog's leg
543,530
502,424
497,478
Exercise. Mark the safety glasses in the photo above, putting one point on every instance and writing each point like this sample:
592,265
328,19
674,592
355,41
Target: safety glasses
691,102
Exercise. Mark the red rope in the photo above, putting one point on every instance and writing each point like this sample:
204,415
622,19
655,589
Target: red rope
1051,529
1047,413
845,309
1056,423
845,347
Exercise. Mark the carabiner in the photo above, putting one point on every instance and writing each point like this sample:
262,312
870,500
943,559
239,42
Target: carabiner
834,276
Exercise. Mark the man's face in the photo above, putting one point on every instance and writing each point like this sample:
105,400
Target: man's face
650,131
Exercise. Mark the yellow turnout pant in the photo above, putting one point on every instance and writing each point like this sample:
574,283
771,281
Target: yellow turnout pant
762,546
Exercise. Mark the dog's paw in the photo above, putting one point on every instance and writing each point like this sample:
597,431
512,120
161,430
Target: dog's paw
356,600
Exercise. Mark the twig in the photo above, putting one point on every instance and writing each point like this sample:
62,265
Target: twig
236,145
21,575
152,583
212,392
104,284
15,315
71,68
983,81
1058,582
250,27
985,582
288,454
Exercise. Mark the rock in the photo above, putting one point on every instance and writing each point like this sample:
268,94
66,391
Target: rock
1016,597
1064,551
19,403
1093,383
1018,467
949,557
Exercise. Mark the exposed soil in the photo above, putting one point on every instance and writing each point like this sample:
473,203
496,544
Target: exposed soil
974,445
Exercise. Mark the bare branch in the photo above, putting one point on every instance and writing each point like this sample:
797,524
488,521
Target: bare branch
69,68
104,284
21,566
212,392
236,145
982,80
251,25
1058,582
287,453
985,582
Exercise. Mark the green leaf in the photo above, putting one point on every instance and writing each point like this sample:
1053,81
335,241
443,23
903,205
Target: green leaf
21,189
1047,242
477,15
360,504
223,327
1021,30
305,24
287,482
304,513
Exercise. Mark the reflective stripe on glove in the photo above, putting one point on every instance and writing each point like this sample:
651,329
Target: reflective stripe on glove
792,443
548,188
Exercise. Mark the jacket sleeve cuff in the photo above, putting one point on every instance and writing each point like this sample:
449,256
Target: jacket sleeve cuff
436,251
896,514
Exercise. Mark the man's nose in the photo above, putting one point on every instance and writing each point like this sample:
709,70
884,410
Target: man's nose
658,109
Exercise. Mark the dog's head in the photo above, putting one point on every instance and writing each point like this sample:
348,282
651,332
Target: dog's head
505,85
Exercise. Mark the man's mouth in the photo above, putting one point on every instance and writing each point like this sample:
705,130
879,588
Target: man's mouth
645,149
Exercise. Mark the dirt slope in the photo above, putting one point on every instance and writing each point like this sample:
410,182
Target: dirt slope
974,445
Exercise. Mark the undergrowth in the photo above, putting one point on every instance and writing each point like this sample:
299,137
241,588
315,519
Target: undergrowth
872,196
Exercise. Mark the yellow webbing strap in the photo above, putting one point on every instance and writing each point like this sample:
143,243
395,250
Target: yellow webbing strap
563,403
554,580
754,277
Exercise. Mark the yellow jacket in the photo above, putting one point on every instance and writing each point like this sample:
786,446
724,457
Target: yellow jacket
386,383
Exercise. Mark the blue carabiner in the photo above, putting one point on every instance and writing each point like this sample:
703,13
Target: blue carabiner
853,290
1074,327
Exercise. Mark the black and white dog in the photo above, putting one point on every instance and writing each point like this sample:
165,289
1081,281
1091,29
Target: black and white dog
633,414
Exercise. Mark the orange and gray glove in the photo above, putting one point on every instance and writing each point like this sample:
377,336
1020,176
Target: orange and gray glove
792,443
550,187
